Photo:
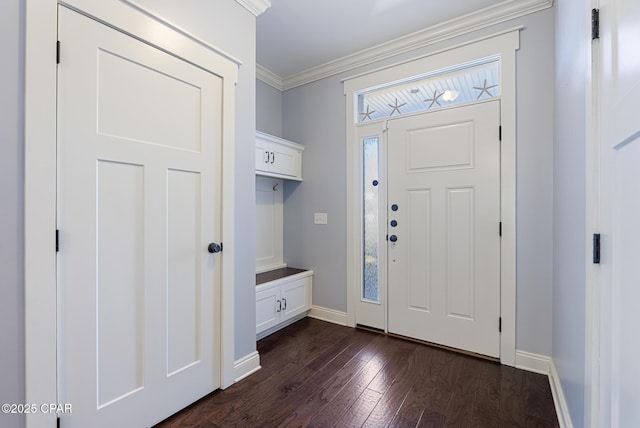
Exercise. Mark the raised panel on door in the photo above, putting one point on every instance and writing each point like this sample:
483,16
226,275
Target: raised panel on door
139,173
184,287
444,194
120,279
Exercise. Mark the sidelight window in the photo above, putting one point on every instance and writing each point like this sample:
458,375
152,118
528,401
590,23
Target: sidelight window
371,284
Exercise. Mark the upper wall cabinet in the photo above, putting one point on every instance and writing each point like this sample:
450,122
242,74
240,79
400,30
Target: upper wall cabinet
276,157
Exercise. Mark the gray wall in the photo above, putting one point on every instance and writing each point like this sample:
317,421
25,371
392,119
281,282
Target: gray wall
314,115
268,109
569,203
11,209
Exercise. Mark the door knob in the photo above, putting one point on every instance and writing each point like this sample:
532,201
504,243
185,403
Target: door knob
214,248
393,238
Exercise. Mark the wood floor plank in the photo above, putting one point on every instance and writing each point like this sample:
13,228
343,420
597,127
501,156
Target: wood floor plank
395,395
415,403
320,387
317,374
339,405
512,412
446,367
359,412
431,419
538,401
460,410
287,384
486,406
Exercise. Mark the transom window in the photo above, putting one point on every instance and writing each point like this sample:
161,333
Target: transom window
463,83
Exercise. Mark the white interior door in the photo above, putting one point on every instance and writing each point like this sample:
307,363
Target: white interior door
443,227
139,145
620,98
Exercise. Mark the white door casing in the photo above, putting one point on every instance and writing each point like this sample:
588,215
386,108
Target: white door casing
617,88
503,44
139,199
41,174
444,252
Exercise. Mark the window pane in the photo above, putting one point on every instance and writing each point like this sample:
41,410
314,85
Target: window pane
456,85
370,290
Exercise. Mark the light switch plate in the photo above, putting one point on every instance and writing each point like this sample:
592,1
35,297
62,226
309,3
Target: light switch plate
320,218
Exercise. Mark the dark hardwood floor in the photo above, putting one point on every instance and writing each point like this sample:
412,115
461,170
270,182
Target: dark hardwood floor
319,374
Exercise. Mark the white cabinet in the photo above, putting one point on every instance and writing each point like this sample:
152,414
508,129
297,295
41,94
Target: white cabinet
277,157
281,300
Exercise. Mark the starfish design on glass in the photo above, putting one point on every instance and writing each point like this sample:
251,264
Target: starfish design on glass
484,89
434,99
396,107
367,114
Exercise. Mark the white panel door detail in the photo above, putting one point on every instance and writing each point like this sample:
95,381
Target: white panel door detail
139,187
444,252
620,211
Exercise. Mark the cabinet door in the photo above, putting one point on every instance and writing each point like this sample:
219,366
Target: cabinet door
268,309
295,298
262,156
285,161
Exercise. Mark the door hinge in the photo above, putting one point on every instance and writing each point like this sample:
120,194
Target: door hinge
500,132
500,325
595,24
57,240
596,248
500,229
58,52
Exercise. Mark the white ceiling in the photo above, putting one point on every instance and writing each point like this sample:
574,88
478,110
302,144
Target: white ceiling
297,35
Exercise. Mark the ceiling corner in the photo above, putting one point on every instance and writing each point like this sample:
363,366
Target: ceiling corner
255,6
269,77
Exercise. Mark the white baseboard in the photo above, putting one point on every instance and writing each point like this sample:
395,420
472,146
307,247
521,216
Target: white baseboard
564,418
544,365
533,362
246,366
329,315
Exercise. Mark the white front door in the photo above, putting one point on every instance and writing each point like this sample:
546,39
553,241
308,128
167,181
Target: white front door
620,211
443,227
139,176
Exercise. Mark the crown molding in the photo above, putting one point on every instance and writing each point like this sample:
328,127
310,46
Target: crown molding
269,77
255,6
492,15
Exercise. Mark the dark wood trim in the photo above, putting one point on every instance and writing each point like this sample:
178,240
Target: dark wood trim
272,275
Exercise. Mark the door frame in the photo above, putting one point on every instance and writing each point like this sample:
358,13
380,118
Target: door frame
504,45
41,27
